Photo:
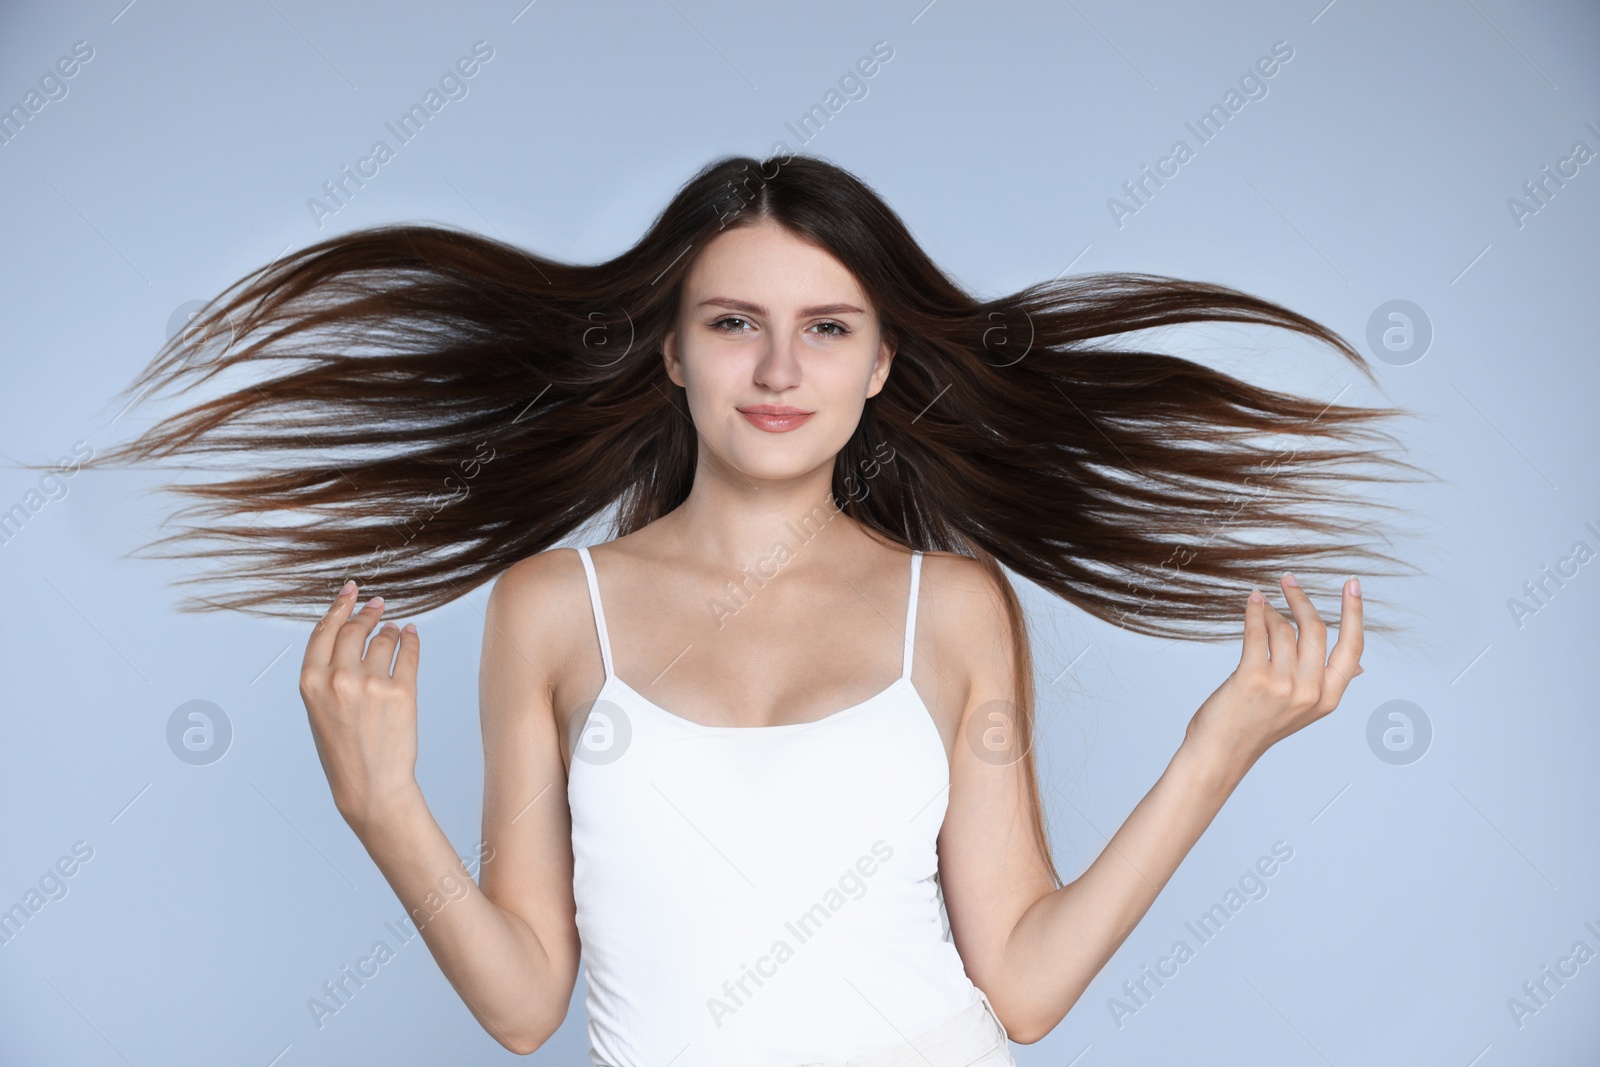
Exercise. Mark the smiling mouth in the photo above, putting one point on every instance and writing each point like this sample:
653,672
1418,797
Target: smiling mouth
775,418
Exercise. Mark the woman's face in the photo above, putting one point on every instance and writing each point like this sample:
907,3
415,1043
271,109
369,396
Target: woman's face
778,349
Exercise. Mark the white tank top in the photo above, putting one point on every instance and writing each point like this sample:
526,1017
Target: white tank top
760,896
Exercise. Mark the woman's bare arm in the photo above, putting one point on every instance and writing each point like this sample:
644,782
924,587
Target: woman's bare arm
1034,949
510,948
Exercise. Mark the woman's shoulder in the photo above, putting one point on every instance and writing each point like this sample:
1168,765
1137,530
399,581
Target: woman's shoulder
540,575
960,596
551,587
537,600
958,575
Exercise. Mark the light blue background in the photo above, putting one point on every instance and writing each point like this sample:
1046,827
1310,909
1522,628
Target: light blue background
1378,167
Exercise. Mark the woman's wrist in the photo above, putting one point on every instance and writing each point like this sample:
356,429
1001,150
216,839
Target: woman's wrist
393,817
1215,766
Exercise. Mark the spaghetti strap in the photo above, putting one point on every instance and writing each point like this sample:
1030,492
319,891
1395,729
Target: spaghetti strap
911,614
594,604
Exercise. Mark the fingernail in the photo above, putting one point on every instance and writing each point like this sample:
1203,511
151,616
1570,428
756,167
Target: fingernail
411,627
376,601
1355,587
1256,597
1290,579
349,587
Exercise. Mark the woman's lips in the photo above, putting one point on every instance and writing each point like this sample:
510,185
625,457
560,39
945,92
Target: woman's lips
775,419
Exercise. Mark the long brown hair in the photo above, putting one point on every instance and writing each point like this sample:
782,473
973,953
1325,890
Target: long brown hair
460,403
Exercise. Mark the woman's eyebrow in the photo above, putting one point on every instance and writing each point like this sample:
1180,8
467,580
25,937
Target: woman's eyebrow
757,309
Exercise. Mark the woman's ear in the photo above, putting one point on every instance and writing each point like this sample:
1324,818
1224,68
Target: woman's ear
880,368
669,357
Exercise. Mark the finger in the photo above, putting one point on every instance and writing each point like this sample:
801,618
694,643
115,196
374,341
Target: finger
319,649
351,639
405,664
1280,640
1344,662
1254,655
380,652
1311,655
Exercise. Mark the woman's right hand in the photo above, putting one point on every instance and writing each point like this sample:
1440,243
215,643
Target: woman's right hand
363,718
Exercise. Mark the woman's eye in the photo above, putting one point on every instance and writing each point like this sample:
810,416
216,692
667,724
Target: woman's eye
839,329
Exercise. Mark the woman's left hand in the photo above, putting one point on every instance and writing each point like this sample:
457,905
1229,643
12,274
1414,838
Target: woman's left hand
1285,680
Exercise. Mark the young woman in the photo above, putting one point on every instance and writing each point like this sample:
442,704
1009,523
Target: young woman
766,756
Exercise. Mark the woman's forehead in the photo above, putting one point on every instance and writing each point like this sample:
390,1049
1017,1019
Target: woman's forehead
766,265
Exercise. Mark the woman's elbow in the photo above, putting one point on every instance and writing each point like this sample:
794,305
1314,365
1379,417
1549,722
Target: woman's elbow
528,1037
